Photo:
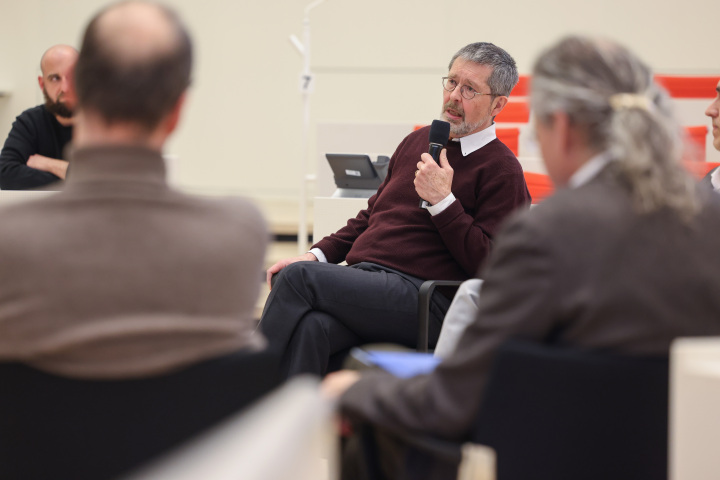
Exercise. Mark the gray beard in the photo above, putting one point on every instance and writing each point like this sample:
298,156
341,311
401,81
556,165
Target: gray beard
461,129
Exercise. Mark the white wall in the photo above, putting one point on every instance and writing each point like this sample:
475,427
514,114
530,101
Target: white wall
375,61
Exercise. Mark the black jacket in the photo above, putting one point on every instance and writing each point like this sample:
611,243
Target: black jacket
34,131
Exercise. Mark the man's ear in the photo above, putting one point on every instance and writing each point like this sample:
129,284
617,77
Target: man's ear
41,82
498,105
176,113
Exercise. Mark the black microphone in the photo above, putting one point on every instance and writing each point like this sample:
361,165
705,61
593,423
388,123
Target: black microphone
439,136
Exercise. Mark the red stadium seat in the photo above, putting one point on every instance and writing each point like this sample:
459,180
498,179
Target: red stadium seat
688,86
510,137
522,89
539,185
515,112
695,146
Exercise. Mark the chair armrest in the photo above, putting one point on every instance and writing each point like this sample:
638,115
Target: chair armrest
424,296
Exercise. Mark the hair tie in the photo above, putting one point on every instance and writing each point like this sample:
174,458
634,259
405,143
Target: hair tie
624,101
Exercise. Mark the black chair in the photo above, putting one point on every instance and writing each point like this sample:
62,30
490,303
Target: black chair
552,413
53,427
424,296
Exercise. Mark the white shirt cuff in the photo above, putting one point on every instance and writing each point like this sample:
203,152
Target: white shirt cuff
319,254
441,205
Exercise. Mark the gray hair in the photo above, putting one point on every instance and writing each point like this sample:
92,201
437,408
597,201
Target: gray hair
583,77
504,76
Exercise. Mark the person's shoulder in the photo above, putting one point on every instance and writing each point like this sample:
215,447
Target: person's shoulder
599,201
420,131
497,146
37,112
21,209
34,115
420,134
711,202
498,156
554,220
712,179
417,139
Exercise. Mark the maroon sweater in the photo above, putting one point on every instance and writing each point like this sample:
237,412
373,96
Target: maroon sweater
395,232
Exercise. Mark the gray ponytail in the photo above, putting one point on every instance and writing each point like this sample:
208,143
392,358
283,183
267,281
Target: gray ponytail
609,93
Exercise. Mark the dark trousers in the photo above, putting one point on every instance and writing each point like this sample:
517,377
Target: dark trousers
317,311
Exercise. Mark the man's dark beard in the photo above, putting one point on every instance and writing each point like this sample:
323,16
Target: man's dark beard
56,108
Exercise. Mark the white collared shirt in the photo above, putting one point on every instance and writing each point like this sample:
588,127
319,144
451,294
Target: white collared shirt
715,179
589,170
477,140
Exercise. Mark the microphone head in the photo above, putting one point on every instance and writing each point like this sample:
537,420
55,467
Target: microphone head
439,132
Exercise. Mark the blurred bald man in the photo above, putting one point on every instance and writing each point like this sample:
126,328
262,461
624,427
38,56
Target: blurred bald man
33,154
119,275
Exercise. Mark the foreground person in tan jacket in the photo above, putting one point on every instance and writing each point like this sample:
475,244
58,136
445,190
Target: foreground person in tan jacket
119,275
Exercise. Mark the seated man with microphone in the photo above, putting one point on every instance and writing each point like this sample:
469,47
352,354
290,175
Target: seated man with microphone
317,310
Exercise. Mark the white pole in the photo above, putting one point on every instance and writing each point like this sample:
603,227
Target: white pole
306,87
307,78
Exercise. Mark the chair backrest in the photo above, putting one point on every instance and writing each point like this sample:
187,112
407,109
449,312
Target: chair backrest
552,413
289,434
56,427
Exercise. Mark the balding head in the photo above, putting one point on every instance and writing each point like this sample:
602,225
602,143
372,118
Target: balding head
58,55
56,82
134,64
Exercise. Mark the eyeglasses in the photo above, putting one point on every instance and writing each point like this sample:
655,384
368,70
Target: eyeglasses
467,92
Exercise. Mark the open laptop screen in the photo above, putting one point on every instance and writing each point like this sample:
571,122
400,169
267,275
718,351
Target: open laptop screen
353,171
